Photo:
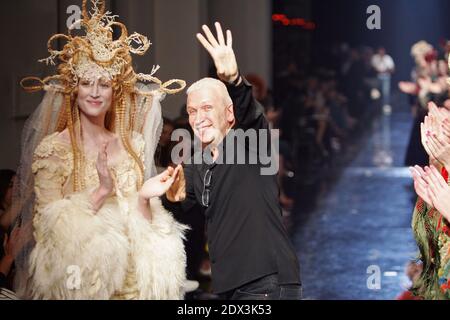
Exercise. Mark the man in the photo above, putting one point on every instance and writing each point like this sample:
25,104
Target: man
250,252
384,66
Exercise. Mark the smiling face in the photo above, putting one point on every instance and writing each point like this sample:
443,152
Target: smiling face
94,97
210,113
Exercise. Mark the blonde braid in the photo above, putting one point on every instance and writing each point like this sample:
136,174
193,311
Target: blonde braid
125,137
75,151
79,137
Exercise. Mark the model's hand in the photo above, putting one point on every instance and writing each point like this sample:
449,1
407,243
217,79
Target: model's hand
104,174
420,184
440,149
438,191
428,128
222,53
160,184
177,191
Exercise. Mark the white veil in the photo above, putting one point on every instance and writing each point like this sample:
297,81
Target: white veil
43,122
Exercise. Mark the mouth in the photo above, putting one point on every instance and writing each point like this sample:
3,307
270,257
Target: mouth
201,130
95,103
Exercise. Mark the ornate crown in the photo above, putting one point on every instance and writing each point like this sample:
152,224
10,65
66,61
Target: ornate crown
96,54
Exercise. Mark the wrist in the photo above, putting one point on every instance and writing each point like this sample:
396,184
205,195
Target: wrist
142,201
99,197
235,80
144,207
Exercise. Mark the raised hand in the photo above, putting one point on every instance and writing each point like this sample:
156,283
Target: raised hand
424,134
158,185
221,52
420,184
436,112
440,149
104,174
438,191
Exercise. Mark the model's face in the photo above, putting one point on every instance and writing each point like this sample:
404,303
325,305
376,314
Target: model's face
94,97
209,118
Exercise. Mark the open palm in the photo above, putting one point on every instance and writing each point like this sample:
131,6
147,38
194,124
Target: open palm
158,185
221,52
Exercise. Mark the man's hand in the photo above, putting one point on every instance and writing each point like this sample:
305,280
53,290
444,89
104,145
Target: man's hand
177,191
222,53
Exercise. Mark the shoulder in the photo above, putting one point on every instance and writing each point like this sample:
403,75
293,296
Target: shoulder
51,145
53,150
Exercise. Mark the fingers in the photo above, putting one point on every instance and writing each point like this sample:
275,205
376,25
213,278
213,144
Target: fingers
438,177
177,170
229,39
220,34
436,141
102,158
432,196
446,128
424,138
432,180
436,112
210,36
418,177
432,145
431,106
165,175
205,43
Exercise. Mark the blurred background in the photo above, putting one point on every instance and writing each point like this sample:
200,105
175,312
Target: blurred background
348,127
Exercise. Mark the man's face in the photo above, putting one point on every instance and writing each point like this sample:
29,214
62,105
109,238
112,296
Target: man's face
209,117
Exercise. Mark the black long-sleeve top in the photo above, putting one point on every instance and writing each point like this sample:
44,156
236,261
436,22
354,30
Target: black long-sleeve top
246,237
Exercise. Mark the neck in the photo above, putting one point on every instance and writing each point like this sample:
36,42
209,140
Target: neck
93,127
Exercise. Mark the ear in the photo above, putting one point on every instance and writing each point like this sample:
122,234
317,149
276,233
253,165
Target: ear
230,114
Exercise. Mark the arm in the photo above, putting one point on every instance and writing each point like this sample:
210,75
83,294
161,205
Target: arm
248,112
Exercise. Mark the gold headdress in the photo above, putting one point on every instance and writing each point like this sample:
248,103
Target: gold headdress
95,55
135,106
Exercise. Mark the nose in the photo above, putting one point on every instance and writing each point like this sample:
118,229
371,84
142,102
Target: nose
94,90
200,117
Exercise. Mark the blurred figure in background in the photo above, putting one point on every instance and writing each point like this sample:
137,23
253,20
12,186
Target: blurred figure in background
384,66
